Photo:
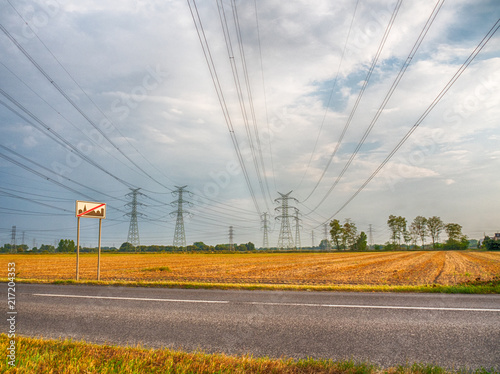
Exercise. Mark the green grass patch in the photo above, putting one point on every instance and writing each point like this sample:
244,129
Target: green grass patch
486,287
68,356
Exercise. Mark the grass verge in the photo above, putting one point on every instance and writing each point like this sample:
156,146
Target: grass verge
482,287
68,356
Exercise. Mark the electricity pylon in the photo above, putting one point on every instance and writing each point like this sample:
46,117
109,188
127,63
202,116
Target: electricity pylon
297,229
231,237
13,247
370,231
133,230
265,227
327,241
179,234
285,240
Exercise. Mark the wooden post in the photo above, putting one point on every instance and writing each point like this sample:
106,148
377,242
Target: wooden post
78,250
99,253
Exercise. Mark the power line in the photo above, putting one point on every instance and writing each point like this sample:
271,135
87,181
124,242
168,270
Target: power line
34,201
88,97
264,91
250,99
387,97
54,134
331,94
49,170
239,89
431,106
218,89
72,102
360,95
64,117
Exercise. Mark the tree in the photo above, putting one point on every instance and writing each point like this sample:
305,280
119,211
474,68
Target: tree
222,247
419,226
414,237
127,247
397,225
435,226
361,243
490,244
407,238
349,234
336,232
324,244
454,231
47,248
200,246
249,246
66,245
456,240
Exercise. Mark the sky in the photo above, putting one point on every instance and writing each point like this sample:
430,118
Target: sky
362,109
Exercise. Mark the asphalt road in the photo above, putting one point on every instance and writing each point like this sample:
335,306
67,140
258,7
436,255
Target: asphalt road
454,331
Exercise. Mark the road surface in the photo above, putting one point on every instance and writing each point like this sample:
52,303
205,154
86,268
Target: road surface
387,329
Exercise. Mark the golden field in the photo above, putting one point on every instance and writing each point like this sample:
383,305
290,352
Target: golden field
337,268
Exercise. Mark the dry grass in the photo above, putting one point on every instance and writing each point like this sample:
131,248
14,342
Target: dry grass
70,357
339,268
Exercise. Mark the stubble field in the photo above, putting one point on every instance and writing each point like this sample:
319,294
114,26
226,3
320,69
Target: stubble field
338,268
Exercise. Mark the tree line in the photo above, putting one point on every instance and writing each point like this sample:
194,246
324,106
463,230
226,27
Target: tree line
421,229
404,235
69,246
195,247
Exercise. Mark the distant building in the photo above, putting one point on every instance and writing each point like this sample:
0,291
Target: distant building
497,236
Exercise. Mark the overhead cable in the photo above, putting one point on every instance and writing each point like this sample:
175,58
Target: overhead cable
360,95
431,106
387,97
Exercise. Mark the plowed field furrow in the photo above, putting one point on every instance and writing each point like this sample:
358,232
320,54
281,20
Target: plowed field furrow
488,256
394,268
420,270
376,272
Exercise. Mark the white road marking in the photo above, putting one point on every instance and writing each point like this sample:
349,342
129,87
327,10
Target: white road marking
275,304
379,307
132,298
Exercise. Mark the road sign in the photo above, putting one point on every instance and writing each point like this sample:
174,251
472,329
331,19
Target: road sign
88,209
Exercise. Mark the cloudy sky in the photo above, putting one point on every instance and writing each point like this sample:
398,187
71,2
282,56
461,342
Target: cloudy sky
240,100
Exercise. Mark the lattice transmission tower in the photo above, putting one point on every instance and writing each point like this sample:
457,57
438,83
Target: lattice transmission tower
133,229
285,240
265,228
327,241
297,229
370,233
13,246
180,233
231,238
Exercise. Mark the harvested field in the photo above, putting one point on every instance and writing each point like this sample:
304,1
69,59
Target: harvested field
338,268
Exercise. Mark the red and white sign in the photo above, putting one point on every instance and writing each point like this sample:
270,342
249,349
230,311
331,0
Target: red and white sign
89,209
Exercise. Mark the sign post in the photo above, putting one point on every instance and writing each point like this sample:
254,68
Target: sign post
78,250
89,209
